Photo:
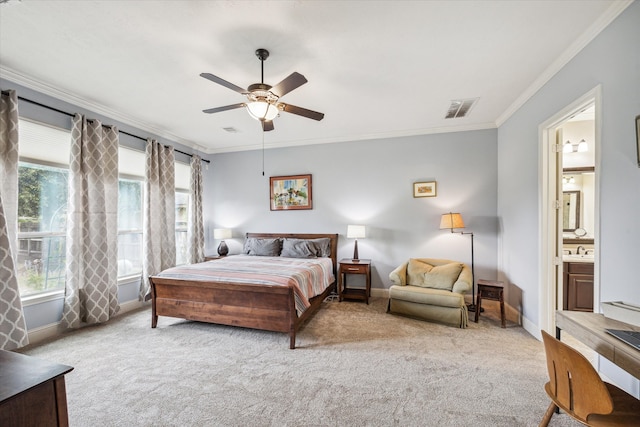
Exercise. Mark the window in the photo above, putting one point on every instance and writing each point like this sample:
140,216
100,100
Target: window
129,227
182,216
42,208
42,213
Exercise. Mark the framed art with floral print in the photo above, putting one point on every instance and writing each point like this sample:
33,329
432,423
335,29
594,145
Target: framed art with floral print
424,189
291,192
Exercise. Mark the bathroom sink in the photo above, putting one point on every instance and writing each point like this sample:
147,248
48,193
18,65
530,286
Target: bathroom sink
578,258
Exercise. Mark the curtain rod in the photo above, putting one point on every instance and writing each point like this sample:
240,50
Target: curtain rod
72,115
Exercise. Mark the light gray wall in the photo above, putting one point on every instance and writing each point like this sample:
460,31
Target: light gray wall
371,183
612,60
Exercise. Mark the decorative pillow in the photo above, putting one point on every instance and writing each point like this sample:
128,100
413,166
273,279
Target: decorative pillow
299,248
443,276
324,246
262,247
416,271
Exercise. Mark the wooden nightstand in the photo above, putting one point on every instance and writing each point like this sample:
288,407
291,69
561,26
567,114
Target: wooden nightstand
212,257
493,290
348,266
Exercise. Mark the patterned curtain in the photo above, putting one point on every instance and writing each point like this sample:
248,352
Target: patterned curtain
13,328
92,224
159,229
196,222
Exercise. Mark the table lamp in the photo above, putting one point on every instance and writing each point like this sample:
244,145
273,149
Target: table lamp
222,233
356,232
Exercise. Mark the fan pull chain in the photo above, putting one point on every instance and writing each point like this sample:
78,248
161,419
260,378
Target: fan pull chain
262,152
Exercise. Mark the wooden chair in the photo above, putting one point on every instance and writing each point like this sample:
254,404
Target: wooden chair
575,387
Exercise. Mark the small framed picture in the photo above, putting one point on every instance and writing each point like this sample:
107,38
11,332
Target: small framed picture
424,189
290,192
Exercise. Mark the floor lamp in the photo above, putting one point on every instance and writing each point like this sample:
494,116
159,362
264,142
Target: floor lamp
453,220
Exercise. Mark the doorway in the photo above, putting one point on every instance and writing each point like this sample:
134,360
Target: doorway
571,227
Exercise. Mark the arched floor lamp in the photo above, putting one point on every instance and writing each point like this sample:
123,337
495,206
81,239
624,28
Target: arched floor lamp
453,220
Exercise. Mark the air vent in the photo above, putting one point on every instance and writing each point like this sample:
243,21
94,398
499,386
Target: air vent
460,108
231,130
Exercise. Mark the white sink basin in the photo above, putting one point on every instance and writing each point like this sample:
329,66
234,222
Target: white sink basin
578,258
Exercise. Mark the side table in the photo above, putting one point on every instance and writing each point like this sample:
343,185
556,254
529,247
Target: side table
349,266
493,290
212,257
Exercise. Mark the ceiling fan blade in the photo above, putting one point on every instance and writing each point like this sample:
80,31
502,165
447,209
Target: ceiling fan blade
225,108
293,81
224,83
310,114
267,125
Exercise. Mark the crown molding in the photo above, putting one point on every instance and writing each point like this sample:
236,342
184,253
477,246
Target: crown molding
62,95
587,36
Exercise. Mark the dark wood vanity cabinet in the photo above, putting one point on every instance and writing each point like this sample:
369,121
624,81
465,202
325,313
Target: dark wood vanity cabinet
578,286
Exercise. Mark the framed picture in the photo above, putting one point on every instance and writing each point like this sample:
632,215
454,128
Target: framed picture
291,192
424,189
638,138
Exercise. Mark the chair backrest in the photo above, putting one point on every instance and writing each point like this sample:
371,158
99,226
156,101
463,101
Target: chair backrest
574,385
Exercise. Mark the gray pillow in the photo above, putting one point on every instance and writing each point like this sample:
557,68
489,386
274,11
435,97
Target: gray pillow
324,246
262,247
299,248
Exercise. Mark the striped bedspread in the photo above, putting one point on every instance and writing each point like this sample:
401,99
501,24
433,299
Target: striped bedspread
307,276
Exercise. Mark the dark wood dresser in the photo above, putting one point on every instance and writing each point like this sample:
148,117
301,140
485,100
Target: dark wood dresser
32,391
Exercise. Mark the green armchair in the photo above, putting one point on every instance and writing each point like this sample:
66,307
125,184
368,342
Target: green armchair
431,289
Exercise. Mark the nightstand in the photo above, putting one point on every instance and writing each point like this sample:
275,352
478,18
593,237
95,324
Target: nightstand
212,257
493,290
349,266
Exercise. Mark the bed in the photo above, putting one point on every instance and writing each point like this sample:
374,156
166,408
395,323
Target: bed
240,302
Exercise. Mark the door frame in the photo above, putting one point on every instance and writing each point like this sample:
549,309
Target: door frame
550,236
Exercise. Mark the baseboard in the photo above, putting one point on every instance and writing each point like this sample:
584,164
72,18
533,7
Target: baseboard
381,293
52,330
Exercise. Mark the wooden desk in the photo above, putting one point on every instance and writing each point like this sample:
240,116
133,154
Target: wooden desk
32,391
589,328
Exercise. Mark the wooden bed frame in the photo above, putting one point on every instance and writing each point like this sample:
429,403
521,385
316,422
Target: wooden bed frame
265,307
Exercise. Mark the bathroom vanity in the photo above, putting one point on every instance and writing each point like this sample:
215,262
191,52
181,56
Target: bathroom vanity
578,284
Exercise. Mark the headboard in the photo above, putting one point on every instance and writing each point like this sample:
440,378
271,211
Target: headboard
332,237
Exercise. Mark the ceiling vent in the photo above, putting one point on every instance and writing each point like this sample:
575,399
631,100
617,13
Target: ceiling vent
460,108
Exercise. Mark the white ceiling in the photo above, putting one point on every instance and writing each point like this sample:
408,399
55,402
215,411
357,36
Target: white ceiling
375,68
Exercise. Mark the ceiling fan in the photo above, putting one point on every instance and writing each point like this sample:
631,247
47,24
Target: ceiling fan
262,99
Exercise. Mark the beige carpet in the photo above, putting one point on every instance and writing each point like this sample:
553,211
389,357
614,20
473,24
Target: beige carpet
355,365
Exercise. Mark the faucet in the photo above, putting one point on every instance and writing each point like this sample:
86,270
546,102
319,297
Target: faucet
578,250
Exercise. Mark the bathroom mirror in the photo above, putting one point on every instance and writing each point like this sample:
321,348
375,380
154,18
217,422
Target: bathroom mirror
571,210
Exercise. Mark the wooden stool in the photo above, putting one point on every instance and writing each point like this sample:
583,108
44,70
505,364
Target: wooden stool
490,289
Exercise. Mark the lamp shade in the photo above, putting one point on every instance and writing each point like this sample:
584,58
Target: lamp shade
451,220
221,233
356,231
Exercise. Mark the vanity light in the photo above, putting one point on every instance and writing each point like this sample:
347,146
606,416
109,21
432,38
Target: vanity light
582,146
569,147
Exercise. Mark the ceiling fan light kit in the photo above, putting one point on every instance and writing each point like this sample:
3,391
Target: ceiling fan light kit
263,99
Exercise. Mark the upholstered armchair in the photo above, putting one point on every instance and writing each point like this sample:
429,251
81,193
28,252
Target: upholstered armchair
431,289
